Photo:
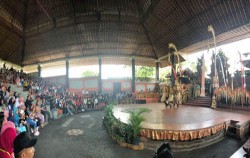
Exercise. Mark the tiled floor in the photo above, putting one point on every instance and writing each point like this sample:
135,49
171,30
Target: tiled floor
182,118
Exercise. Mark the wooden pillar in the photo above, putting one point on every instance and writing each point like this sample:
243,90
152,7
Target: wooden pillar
157,71
67,74
133,76
100,76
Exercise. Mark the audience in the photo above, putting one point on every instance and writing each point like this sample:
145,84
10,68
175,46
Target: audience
44,100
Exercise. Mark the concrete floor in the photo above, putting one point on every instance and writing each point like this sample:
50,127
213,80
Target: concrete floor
84,136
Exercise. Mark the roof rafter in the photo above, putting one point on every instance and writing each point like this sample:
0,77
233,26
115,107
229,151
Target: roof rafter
191,18
78,23
7,57
145,30
91,56
53,21
150,9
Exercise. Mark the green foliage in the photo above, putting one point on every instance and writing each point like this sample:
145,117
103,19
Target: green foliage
109,110
121,131
225,66
115,127
108,116
164,72
198,75
89,73
135,120
144,72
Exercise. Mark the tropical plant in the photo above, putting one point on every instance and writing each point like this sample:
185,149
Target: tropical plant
135,120
219,63
108,118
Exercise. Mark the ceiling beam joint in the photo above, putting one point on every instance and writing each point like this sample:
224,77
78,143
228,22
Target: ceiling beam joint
53,20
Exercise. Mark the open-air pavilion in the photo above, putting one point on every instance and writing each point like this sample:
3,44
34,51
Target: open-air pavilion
48,34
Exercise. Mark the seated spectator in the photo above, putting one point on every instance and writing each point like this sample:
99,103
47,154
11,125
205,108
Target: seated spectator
39,115
67,109
18,82
6,124
28,102
12,118
45,111
7,137
22,127
24,146
30,118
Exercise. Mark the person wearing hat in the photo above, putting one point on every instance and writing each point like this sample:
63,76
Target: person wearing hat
24,146
6,139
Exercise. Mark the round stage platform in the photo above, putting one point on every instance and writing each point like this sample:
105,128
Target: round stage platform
184,123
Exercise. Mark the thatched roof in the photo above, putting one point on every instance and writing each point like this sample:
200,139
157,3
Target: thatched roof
41,31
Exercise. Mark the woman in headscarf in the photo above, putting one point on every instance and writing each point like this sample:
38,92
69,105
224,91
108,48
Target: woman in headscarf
7,137
5,123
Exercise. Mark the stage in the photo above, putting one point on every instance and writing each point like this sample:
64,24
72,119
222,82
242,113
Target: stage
183,123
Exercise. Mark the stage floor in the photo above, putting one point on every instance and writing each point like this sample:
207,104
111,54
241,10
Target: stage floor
179,119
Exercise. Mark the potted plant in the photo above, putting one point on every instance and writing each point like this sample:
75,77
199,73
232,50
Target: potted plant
135,120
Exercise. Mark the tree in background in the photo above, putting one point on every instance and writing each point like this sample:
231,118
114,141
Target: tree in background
225,65
165,73
89,73
224,60
199,71
144,72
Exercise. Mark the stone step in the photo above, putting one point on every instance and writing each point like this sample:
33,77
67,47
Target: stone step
17,89
203,105
199,101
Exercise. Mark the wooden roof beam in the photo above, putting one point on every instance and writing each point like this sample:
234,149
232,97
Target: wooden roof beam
24,25
11,29
145,30
74,9
191,18
11,7
91,56
78,23
46,13
8,55
149,10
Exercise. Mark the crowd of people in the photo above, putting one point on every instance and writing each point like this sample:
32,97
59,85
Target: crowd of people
44,102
